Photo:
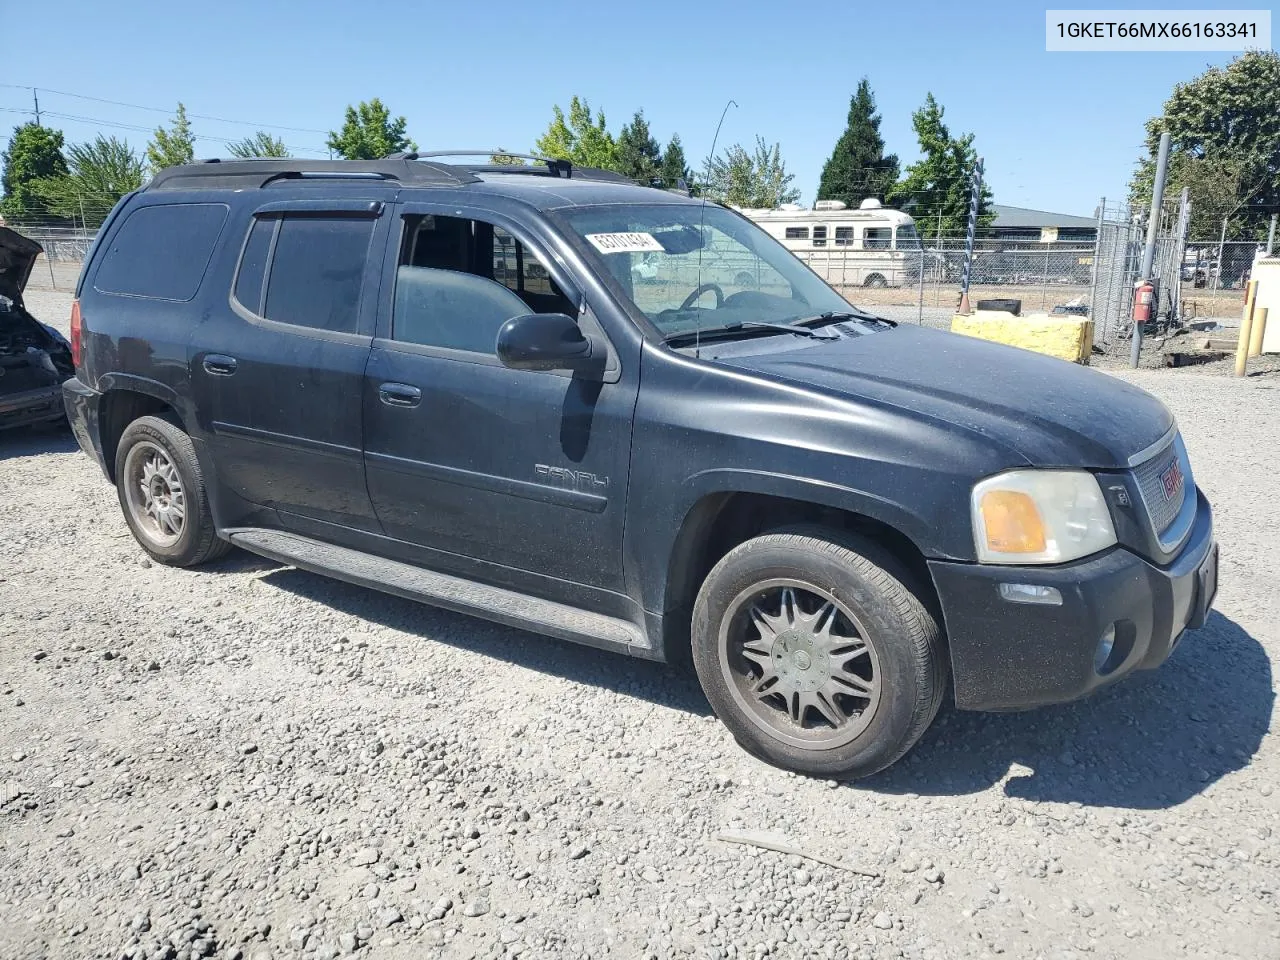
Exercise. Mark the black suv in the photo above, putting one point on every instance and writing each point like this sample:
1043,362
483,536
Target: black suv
447,382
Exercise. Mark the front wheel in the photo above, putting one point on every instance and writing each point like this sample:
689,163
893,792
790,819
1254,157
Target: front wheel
817,654
162,494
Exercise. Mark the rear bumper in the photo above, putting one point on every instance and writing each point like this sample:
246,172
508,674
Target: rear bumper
82,406
1007,655
31,406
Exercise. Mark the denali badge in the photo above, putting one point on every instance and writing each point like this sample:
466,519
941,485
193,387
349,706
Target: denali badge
573,479
1172,480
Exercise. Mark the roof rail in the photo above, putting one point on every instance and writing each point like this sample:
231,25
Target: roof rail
556,167
259,172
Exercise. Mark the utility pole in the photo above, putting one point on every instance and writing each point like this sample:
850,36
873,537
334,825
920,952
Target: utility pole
1271,235
35,95
1149,253
1222,245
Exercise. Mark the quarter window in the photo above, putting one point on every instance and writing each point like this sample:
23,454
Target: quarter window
253,264
161,252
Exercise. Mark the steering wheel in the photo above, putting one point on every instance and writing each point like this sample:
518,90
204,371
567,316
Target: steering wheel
692,298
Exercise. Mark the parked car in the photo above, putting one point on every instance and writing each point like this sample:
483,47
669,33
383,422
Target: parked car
835,517
34,358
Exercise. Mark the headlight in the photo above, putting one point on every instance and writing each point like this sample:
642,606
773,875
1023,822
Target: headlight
1040,516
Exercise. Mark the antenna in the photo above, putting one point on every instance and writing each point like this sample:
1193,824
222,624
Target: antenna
702,222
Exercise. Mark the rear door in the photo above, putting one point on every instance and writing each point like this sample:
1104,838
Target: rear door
517,469
277,370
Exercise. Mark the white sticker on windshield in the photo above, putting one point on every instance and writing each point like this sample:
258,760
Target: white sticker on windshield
624,242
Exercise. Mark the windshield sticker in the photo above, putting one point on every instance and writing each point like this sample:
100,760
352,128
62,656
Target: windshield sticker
624,242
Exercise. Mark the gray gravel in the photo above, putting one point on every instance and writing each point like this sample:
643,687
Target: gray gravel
251,761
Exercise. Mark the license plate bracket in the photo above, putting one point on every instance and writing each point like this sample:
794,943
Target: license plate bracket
1206,589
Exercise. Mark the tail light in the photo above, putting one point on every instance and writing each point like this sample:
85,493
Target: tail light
76,329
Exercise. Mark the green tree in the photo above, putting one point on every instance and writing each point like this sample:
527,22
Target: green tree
674,167
261,144
99,174
938,185
34,153
582,139
177,145
757,180
858,167
639,154
1224,146
369,133
505,159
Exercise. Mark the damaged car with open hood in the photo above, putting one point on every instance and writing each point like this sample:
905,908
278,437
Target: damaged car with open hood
34,358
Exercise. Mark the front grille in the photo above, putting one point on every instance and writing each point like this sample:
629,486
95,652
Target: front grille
1162,509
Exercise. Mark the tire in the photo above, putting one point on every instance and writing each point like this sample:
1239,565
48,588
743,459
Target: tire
874,604
158,455
875,280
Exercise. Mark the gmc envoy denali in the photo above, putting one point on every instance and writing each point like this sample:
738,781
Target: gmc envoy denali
452,383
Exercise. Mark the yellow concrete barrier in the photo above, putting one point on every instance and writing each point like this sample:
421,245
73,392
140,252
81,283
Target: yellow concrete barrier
1067,337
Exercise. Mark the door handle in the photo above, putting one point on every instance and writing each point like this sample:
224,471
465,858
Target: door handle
399,394
219,365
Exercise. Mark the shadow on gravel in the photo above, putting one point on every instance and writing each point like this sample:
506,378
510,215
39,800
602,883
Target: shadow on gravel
1153,740
33,441
661,684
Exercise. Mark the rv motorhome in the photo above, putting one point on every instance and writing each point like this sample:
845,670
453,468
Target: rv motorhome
872,246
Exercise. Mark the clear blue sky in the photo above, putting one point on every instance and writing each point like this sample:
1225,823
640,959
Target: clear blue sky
1058,130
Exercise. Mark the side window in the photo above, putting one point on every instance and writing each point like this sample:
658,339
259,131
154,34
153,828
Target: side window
161,252
317,271
460,280
844,236
797,233
820,236
877,238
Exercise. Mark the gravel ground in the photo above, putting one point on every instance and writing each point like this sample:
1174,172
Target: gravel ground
249,761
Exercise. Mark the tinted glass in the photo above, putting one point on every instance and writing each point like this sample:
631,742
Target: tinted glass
797,233
253,264
449,308
317,272
161,252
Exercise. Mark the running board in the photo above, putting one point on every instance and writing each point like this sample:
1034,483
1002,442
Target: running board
441,590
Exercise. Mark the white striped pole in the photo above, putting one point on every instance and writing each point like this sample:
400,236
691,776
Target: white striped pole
974,196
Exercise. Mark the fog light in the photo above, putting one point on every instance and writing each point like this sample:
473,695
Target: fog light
1031,593
1102,655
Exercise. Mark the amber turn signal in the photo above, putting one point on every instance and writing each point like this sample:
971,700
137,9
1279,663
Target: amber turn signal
1012,522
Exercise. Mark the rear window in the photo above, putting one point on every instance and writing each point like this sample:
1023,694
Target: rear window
161,252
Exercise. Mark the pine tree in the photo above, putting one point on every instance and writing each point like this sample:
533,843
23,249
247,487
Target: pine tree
757,180
674,167
172,147
940,182
261,144
582,139
858,167
639,154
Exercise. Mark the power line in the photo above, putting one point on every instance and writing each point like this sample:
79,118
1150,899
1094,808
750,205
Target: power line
164,110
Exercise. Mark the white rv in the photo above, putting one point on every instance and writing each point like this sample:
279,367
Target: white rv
872,246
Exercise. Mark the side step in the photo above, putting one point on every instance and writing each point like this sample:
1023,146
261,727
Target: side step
441,590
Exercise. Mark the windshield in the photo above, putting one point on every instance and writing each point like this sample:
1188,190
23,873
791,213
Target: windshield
908,239
689,267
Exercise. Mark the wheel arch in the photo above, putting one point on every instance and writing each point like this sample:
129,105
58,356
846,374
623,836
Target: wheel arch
719,520
124,399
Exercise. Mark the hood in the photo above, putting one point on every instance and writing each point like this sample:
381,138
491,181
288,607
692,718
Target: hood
1048,411
17,257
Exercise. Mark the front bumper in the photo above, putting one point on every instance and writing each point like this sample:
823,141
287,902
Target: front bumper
1008,656
31,406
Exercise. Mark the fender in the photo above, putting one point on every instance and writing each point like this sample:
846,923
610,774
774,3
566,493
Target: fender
152,388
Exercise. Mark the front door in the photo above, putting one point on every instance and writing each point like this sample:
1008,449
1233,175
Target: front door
278,367
526,470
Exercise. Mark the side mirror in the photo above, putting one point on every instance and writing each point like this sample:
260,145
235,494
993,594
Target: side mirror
544,341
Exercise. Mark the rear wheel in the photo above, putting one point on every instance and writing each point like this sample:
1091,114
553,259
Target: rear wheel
162,494
817,654
875,280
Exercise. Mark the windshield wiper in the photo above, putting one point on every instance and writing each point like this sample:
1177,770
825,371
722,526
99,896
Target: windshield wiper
686,337
839,316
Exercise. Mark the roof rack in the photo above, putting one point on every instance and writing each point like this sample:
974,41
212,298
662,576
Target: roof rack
260,172
554,166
